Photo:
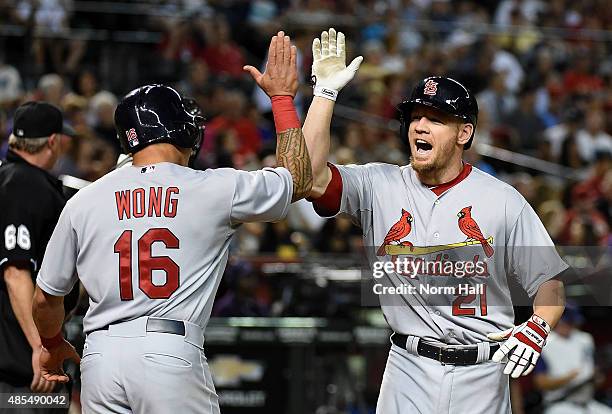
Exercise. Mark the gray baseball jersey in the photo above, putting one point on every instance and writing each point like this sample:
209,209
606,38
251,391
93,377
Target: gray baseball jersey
475,219
451,249
154,240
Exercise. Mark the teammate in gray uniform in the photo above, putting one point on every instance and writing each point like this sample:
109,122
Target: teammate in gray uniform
463,225
150,242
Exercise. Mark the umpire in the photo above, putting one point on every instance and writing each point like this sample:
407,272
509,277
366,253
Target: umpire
31,201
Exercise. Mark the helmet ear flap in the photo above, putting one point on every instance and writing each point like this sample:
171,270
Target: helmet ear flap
403,132
158,113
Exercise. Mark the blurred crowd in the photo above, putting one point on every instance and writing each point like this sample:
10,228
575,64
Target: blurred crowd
541,71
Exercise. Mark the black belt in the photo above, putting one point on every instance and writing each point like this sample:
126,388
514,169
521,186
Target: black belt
159,325
450,355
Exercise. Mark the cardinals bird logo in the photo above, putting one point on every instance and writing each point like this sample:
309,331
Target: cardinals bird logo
397,232
470,228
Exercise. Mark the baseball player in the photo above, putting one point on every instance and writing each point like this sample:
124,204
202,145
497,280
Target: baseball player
451,223
150,242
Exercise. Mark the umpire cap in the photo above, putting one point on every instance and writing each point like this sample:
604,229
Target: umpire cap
442,93
39,120
153,114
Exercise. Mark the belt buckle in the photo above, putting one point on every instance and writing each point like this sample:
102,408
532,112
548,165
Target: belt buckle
451,350
440,356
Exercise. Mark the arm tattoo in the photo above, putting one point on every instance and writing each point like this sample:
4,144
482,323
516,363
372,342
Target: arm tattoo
292,153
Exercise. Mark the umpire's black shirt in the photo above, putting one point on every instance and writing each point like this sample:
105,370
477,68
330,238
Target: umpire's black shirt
31,201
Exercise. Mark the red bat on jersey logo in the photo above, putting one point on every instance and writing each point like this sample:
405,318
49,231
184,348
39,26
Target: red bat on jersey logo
431,88
132,137
469,227
397,232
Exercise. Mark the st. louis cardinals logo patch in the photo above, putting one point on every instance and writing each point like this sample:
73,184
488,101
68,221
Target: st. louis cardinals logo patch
431,88
393,244
132,137
397,232
469,227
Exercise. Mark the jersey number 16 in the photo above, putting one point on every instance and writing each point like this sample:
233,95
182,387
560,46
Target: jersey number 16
147,264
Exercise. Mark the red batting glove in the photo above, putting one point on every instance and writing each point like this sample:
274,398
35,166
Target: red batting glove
522,347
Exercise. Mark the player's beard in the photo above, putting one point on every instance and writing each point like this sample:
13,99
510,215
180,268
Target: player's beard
438,162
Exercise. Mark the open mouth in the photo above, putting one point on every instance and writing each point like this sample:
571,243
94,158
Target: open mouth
423,146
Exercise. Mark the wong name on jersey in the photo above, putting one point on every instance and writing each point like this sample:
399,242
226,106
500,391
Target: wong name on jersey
155,202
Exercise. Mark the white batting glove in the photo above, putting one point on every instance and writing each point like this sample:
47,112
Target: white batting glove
329,69
522,347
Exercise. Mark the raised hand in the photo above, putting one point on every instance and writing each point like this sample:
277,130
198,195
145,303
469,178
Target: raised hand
280,76
329,64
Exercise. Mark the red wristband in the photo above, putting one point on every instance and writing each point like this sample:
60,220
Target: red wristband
328,204
49,343
285,116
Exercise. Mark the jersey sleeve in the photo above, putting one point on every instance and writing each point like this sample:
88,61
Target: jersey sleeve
57,273
532,256
349,192
262,195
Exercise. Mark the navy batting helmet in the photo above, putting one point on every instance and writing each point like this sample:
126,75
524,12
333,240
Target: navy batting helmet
157,113
442,93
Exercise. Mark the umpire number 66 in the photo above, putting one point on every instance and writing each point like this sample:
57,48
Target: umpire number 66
17,236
